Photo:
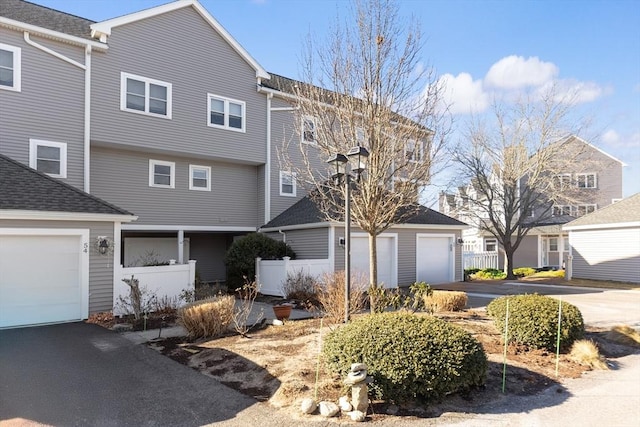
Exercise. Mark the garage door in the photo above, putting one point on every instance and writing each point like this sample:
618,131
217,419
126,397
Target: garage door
43,277
434,259
387,263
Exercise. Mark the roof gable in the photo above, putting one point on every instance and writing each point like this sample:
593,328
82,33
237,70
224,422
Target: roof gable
102,30
26,189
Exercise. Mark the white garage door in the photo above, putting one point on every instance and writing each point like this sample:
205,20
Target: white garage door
387,254
43,278
434,259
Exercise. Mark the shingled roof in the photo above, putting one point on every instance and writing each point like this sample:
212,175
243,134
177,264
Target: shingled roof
625,211
306,211
44,17
25,189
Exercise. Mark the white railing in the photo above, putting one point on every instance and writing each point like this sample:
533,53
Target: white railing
271,275
480,259
161,281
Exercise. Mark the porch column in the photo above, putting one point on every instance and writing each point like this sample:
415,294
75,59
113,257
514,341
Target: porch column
180,246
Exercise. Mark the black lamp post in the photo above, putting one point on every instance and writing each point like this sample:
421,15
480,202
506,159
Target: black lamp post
357,158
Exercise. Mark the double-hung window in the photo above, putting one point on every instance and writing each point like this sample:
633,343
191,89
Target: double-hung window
563,181
491,245
10,63
48,157
586,180
199,178
309,126
146,96
226,113
413,151
162,174
287,184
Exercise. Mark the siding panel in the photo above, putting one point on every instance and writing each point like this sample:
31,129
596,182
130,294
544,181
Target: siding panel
612,254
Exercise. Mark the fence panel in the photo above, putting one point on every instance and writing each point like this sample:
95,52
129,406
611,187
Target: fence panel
480,259
271,275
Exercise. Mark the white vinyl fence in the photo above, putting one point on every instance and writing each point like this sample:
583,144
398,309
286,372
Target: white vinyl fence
480,259
271,275
161,281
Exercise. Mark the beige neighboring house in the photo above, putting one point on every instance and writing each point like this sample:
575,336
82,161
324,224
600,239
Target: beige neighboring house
605,245
597,177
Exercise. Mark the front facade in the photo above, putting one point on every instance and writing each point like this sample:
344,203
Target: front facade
596,178
184,129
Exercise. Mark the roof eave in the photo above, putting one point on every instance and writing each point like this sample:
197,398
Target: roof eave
51,34
64,216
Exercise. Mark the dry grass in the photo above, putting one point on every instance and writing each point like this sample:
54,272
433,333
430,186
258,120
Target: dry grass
207,318
585,352
440,301
625,335
331,296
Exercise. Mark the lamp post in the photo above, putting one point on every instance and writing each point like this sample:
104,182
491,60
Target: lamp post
357,158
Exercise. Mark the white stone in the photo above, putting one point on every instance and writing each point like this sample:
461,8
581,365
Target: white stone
345,405
308,406
355,367
328,409
357,416
360,397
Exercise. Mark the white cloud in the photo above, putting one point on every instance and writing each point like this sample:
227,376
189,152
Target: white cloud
513,72
614,139
462,94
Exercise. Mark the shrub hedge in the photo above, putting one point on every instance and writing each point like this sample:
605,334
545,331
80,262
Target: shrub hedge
524,271
207,318
408,356
241,256
533,321
440,301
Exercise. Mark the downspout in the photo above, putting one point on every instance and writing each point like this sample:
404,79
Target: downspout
87,97
284,236
87,119
267,171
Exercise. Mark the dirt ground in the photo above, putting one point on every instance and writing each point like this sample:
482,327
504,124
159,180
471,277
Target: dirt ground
279,364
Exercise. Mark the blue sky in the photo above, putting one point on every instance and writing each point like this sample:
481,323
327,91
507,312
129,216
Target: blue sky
593,45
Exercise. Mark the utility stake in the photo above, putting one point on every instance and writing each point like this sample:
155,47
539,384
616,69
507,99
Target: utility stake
506,343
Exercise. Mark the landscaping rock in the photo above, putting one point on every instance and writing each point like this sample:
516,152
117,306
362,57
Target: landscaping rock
392,409
357,416
345,405
360,396
328,409
308,406
122,327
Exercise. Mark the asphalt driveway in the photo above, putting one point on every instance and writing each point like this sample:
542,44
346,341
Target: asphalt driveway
81,374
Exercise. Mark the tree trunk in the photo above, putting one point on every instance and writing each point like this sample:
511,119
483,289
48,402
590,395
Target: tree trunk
373,260
508,265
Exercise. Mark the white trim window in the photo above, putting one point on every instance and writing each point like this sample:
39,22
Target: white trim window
360,135
559,210
585,209
491,245
586,180
10,67
226,113
563,181
48,157
309,128
145,96
199,178
287,184
162,174
414,151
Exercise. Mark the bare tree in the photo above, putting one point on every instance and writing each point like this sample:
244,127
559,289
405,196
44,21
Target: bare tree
367,86
516,166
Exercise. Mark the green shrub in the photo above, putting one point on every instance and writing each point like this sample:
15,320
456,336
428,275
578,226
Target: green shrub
409,356
470,271
533,320
524,271
241,256
559,274
489,274
207,318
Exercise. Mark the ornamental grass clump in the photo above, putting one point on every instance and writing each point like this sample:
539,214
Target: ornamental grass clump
207,318
533,321
439,301
409,356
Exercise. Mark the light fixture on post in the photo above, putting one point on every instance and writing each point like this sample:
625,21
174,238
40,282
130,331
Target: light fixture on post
357,157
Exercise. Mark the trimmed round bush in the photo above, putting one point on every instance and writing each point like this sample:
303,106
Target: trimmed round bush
408,356
241,256
533,321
